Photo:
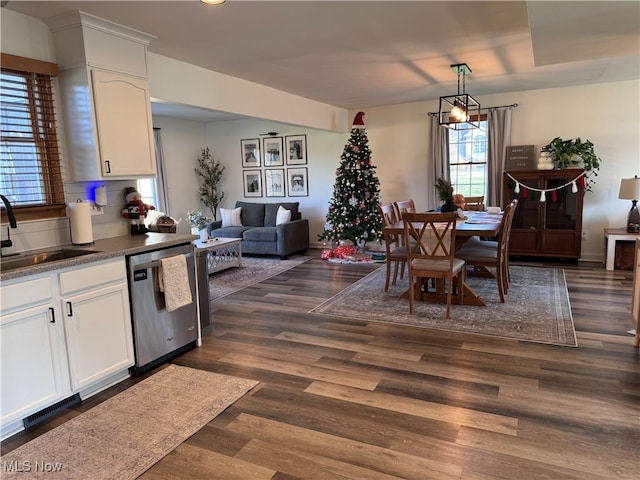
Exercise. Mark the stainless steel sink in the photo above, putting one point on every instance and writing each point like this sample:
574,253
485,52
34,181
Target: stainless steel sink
31,259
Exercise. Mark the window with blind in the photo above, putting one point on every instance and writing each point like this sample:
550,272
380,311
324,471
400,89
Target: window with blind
468,160
30,174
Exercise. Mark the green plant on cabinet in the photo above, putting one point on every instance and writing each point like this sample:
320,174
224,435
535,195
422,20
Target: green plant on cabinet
576,153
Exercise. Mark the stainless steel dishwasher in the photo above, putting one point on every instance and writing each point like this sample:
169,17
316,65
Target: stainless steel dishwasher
158,334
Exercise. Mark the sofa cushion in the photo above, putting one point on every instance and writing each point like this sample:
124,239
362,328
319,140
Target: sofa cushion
231,217
252,214
264,234
271,212
229,232
283,215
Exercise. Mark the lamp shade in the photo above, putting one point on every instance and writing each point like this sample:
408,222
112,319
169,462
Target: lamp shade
629,189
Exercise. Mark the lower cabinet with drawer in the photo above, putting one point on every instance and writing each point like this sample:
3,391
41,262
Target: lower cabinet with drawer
66,333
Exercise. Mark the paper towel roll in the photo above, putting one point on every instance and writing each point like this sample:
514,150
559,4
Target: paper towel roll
80,215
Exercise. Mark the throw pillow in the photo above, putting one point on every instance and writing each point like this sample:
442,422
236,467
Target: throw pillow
283,215
231,217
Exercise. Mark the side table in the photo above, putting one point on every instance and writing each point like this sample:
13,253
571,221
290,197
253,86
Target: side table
212,256
612,235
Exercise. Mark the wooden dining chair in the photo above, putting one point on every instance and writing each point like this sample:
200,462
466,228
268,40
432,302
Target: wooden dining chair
431,256
493,254
475,204
404,206
394,245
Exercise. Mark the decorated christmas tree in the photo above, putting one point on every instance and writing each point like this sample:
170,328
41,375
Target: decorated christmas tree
353,210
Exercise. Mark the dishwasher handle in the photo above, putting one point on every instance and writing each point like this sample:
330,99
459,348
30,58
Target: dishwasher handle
156,263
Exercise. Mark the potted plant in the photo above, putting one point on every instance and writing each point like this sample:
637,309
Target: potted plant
198,222
574,154
209,172
445,193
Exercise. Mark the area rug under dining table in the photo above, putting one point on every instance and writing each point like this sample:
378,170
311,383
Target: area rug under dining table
536,309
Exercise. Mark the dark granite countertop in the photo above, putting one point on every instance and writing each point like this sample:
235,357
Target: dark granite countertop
103,248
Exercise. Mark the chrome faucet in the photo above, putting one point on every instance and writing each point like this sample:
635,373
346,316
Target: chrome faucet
12,222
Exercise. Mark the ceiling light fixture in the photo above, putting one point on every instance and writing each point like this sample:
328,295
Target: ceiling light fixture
460,111
213,2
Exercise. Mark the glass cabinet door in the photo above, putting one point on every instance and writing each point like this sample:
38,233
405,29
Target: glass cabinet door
561,213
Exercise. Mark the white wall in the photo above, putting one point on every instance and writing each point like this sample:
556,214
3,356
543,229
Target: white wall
182,141
207,89
323,152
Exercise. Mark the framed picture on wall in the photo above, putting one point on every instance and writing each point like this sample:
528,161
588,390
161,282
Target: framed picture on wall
252,183
297,182
296,149
272,149
250,151
274,182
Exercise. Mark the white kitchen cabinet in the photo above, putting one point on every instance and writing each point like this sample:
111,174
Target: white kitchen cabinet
34,372
62,333
123,124
97,322
104,98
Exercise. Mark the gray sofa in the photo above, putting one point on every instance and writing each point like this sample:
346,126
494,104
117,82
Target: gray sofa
259,233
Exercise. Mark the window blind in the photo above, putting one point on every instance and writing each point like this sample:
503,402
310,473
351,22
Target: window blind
30,174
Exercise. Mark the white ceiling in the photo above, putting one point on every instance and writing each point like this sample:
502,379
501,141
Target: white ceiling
356,54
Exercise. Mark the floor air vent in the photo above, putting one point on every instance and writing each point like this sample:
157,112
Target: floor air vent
50,410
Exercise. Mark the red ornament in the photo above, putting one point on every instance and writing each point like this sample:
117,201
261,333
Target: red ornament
581,181
524,193
554,196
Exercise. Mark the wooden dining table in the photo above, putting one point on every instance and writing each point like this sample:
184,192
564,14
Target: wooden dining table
480,224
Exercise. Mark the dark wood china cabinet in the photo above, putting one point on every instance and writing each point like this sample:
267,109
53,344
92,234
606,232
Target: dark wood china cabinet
552,228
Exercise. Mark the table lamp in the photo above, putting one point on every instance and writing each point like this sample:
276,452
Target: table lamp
630,190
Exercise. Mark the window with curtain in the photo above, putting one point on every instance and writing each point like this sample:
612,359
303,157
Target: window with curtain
468,160
30,170
153,190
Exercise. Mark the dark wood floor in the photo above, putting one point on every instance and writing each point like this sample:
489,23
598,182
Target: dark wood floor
345,399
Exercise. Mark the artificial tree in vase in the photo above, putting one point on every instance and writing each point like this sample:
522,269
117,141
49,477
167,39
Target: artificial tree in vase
353,210
209,171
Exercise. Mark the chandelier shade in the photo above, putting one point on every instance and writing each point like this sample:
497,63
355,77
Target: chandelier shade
460,111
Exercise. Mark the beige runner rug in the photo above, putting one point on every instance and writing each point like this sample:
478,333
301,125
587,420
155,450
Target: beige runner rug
125,435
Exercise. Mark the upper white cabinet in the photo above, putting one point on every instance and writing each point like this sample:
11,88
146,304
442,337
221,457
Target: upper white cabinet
123,120
105,101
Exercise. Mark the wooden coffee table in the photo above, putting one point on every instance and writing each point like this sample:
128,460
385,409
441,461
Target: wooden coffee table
222,253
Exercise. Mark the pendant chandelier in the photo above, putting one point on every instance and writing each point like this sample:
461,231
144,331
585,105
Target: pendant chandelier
460,111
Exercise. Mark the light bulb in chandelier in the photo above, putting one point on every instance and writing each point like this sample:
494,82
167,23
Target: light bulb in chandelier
457,112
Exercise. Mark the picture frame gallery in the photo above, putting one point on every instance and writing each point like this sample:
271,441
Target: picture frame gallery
259,156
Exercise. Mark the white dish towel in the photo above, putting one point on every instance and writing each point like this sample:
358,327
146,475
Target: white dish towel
174,282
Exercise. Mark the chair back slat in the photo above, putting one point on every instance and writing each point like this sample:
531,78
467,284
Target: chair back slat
434,235
474,203
404,206
388,213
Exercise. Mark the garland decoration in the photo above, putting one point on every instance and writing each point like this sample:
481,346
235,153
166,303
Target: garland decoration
553,191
